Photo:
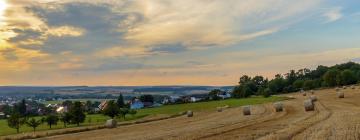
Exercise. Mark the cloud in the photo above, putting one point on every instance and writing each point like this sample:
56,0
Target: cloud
333,14
153,25
57,39
123,52
212,23
9,54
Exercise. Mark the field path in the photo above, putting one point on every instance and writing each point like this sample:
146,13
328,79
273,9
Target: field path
333,119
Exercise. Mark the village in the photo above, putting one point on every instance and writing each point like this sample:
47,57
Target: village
38,106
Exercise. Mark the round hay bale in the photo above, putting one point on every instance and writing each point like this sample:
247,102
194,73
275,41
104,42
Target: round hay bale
246,110
219,109
111,123
344,87
313,98
304,93
309,105
189,113
340,94
352,87
278,107
312,91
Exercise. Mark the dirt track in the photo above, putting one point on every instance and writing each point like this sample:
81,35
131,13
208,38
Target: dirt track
333,118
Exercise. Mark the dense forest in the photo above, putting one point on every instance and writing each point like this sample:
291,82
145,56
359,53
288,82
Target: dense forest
306,79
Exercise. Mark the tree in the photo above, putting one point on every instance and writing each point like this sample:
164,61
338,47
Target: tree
259,81
277,85
267,92
51,120
33,123
309,84
242,91
298,84
330,77
123,112
77,113
120,101
147,98
213,94
244,79
112,110
15,121
66,118
348,77
8,110
67,103
291,77
88,106
22,108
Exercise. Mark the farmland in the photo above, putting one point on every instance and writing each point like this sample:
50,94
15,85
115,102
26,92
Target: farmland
333,118
151,112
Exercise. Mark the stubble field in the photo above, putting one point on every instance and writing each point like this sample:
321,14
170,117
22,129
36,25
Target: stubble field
333,118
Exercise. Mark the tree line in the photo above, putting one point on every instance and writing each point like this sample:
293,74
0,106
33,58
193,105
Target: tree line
19,117
306,79
75,115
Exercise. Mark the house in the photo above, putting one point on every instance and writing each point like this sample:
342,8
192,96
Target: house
2,107
62,109
148,104
224,95
103,105
136,104
198,97
194,99
2,115
171,99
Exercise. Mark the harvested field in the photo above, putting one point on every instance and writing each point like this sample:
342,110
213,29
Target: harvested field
333,118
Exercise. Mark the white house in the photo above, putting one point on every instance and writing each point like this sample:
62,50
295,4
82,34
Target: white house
194,99
61,110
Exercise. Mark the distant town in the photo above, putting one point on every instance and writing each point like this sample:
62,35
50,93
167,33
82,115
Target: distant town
44,100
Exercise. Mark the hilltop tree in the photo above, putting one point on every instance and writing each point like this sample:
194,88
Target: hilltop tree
120,101
277,85
322,76
112,110
330,77
298,84
244,79
266,92
309,84
242,91
77,113
348,77
51,120
33,123
291,77
15,121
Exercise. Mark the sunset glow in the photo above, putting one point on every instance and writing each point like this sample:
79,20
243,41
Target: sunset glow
186,42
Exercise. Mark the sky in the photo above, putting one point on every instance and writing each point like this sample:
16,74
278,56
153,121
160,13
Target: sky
171,42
